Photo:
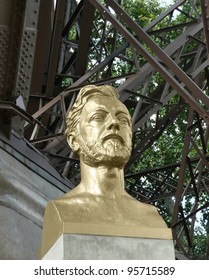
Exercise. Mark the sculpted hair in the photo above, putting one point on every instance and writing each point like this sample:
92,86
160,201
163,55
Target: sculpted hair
84,94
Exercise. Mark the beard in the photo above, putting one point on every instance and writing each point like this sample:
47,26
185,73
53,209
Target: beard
111,153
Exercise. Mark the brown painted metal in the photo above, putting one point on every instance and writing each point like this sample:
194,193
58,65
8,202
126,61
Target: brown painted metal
155,133
205,18
84,41
195,90
20,31
41,55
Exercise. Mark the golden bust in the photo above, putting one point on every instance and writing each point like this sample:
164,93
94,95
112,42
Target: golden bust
99,131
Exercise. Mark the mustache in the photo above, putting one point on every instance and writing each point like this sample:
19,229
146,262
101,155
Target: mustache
112,135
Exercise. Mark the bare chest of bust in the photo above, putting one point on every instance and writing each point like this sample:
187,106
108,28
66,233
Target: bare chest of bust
123,210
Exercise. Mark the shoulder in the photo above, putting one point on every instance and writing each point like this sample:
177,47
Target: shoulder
131,200
145,214
74,208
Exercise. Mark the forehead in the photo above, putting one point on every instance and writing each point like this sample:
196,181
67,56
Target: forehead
106,103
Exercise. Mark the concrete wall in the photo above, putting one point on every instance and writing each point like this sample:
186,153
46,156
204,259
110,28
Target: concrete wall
23,197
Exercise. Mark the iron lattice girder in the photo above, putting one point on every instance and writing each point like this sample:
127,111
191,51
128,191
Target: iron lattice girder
130,82
205,17
155,133
17,45
64,94
195,90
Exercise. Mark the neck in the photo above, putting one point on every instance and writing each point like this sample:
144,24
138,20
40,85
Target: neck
102,180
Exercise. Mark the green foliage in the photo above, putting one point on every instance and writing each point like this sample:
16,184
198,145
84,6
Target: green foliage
143,12
168,148
199,245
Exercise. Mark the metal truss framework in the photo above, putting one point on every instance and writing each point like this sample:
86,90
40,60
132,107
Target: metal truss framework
164,76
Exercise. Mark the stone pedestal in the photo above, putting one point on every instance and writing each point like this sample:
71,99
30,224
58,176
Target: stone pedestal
98,247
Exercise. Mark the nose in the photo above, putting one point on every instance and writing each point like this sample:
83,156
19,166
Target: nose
113,123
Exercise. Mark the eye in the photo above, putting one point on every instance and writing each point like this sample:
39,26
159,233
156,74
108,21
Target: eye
98,117
124,120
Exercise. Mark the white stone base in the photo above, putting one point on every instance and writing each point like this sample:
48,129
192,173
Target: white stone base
94,247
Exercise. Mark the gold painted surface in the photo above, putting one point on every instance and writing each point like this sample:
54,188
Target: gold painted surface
119,231
99,131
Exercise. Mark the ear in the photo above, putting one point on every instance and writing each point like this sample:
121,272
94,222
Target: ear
71,139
